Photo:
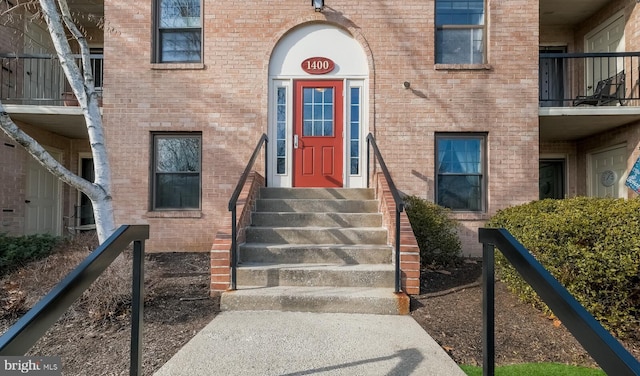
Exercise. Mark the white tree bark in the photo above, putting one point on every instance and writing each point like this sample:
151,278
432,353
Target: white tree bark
82,84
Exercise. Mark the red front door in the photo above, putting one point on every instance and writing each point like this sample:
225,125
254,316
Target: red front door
317,135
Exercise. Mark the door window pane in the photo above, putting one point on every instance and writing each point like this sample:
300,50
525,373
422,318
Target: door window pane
317,112
281,131
354,130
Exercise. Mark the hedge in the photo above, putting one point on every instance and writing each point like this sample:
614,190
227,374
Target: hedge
591,245
435,232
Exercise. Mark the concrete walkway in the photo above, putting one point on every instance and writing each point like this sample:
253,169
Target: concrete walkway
294,343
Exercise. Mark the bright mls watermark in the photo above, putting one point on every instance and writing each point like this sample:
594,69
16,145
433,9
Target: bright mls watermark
30,365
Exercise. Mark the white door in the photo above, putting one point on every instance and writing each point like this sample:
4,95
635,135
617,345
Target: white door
608,37
608,171
42,201
44,78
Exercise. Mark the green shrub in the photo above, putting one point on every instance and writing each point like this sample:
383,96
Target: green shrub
591,245
16,251
435,232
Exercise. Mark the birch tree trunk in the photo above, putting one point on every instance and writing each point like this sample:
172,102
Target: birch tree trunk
82,83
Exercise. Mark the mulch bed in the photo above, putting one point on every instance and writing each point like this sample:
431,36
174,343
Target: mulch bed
178,306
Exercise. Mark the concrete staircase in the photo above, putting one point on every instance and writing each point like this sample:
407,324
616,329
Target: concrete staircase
316,250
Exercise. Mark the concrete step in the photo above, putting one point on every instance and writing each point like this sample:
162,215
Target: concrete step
292,219
319,193
382,301
359,275
315,253
316,205
316,235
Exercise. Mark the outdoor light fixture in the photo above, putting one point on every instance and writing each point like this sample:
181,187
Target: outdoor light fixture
318,5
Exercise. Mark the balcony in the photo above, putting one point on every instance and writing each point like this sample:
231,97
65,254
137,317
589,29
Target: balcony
582,94
34,90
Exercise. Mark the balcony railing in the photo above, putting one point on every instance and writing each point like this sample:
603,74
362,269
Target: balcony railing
39,80
589,79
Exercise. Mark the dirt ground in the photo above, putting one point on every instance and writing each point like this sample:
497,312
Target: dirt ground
178,306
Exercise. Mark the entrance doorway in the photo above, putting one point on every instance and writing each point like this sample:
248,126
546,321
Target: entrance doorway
318,119
552,178
608,171
42,201
84,210
318,130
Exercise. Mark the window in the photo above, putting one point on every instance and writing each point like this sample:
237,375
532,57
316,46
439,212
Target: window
460,32
281,131
179,31
176,171
354,130
460,179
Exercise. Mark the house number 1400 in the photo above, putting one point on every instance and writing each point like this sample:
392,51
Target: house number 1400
317,65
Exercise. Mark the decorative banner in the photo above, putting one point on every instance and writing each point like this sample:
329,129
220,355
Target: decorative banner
633,180
318,65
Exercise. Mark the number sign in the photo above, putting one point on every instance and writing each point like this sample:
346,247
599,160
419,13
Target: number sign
318,65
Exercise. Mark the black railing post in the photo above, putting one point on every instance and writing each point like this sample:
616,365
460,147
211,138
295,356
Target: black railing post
488,310
20,337
368,161
234,245
610,355
266,165
137,309
398,274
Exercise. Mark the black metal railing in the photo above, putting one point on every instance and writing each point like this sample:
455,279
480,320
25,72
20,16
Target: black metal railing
19,338
572,79
612,357
371,144
39,79
264,140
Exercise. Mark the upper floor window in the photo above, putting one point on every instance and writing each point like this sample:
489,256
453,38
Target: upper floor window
460,176
460,32
176,171
178,36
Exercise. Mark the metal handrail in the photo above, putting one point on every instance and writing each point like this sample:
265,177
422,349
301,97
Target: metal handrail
19,338
566,77
234,200
612,357
371,144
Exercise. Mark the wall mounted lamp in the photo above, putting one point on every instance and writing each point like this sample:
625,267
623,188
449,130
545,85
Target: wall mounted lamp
318,5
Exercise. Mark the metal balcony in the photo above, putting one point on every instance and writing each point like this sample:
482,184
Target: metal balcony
583,94
39,80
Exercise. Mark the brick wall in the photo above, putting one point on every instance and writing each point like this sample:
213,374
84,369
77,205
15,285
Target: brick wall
226,99
222,244
409,250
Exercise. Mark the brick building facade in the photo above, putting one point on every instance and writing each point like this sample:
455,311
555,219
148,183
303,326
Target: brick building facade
457,94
